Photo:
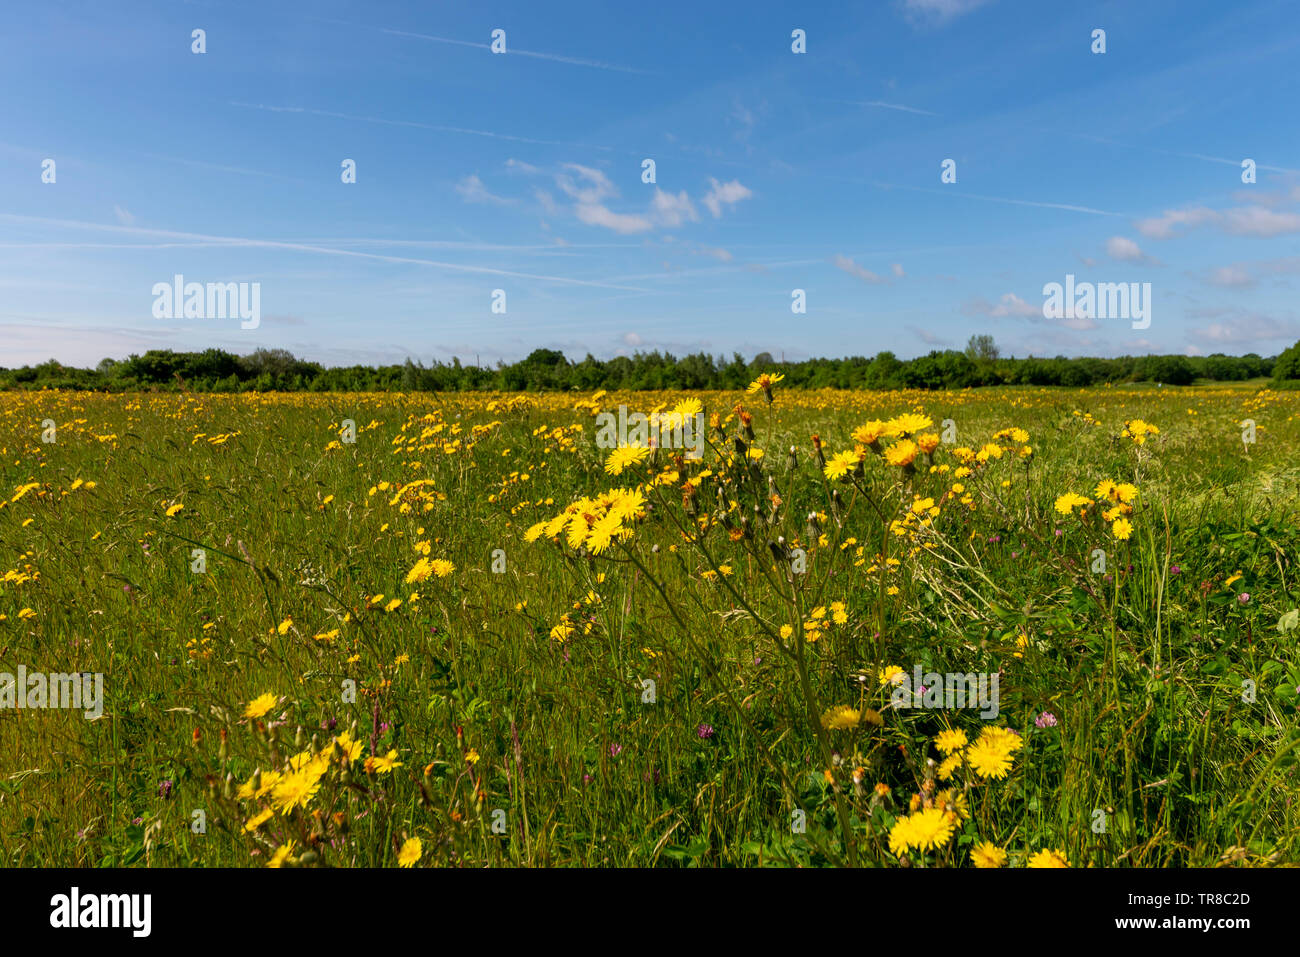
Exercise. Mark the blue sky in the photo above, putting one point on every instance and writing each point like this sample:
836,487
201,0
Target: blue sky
522,171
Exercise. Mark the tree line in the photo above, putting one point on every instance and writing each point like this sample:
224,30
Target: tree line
980,364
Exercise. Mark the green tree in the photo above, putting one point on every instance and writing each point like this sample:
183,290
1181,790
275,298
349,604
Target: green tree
1287,367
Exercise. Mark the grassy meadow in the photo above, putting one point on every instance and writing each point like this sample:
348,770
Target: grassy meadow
463,634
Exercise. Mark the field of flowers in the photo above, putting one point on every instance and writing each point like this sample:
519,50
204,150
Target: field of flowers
452,630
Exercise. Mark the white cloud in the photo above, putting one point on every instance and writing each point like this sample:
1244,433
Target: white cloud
595,185
673,210
1230,276
1126,250
472,190
547,201
248,243
1009,305
897,269
743,118
123,216
929,338
724,193
1248,328
860,272
881,104
1258,221
1167,224
940,11
1080,323
596,214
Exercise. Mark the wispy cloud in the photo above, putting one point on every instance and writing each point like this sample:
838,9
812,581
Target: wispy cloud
466,131
1240,327
1257,221
487,46
929,338
1123,249
724,194
1228,277
219,167
858,272
882,105
236,241
938,12
472,190
1010,305
1221,160
625,224
1069,207
673,211
1244,275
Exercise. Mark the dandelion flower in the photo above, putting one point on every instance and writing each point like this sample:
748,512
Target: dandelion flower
1126,492
624,457
257,820
932,828
841,464
869,433
297,789
927,443
281,855
385,764
410,853
907,424
954,739
986,854
892,675
1049,858
603,532
1067,503
901,453
841,717
901,836
949,765
990,757
764,384
259,706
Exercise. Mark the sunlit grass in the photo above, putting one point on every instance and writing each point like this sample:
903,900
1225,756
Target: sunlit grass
703,679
